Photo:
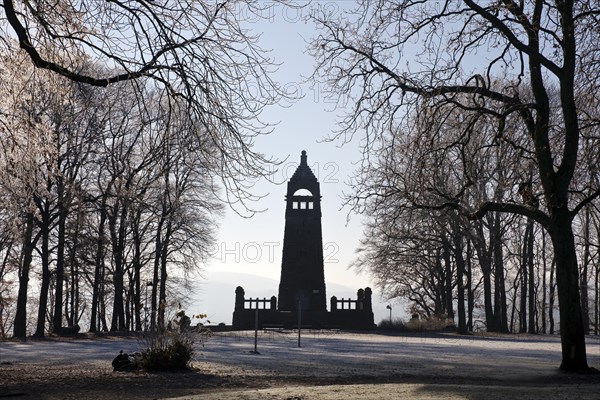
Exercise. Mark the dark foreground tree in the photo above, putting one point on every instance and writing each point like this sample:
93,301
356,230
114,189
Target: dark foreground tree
491,68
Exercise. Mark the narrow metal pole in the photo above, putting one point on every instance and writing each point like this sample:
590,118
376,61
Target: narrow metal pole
256,330
299,321
146,310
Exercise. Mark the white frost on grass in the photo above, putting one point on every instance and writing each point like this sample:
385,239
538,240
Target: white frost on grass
441,355
331,354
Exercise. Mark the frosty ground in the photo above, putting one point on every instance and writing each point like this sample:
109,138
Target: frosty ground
329,365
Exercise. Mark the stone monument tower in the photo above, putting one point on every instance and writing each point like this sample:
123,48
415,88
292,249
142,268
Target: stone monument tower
302,301
302,281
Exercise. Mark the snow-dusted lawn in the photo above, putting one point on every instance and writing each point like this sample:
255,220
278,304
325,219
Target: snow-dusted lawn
352,365
64,351
446,355
333,353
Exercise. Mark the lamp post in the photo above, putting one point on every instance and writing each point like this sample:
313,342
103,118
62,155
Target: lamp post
389,307
148,283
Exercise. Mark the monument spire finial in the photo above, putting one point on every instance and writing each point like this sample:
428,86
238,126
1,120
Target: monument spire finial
303,158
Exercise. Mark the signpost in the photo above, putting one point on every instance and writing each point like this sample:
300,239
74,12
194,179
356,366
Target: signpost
256,330
299,321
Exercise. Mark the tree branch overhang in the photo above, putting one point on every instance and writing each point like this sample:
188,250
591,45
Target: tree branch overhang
512,208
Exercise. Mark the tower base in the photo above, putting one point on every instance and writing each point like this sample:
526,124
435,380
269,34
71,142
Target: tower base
344,314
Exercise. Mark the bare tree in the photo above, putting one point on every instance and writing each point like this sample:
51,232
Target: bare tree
7,276
25,170
201,53
535,48
404,255
81,178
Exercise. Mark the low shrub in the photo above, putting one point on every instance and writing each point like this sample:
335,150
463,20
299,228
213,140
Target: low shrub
415,324
395,325
170,350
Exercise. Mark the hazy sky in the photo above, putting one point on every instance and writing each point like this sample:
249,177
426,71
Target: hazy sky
253,246
302,126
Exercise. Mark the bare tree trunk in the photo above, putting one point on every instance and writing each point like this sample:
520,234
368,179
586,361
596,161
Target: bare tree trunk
460,272
136,286
597,288
128,300
163,270
524,280
45,256
75,294
118,243
20,324
154,323
448,275
584,271
544,286
161,250
551,297
515,290
7,247
597,284
567,279
596,302
98,269
135,280
440,297
485,263
470,294
500,303
102,314
67,301
531,276
73,316
71,283
60,267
